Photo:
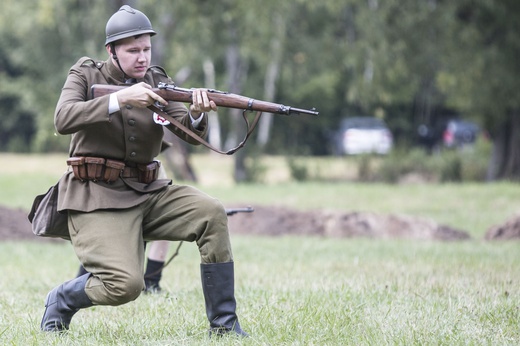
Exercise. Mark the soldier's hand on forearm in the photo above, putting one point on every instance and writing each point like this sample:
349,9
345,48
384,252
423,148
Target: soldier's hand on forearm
139,95
201,103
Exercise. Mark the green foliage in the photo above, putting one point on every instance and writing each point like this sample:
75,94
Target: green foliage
254,167
450,168
464,165
475,161
365,168
299,171
407,61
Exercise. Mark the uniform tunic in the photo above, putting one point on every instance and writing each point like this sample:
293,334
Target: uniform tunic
108,222
129,135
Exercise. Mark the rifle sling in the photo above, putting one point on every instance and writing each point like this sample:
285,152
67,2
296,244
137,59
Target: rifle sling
180,126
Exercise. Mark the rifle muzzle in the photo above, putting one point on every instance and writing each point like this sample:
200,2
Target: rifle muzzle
312,111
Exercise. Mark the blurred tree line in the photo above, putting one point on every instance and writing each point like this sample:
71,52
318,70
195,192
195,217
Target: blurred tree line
407,61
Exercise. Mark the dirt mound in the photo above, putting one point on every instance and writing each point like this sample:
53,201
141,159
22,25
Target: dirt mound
14,224
281,221
274,221
508,231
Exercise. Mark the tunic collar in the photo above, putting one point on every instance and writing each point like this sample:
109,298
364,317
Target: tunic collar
114,72
115,75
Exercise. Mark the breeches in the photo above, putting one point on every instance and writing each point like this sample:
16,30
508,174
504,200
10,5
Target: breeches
110,243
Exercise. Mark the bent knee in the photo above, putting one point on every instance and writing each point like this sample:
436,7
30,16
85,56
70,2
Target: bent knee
213,208
124,291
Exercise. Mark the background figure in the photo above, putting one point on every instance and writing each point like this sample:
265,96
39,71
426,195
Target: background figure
154,265
157,252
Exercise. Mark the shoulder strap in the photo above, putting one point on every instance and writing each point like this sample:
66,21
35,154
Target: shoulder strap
180,126
86,61
159,69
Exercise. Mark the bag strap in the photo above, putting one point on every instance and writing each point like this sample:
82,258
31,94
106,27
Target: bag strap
180,126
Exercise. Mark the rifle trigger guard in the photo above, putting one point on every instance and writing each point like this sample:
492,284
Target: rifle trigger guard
159,105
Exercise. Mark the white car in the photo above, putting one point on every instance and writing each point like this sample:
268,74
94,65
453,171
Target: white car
364,135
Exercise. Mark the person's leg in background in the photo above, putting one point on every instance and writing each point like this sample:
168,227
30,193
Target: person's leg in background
154,265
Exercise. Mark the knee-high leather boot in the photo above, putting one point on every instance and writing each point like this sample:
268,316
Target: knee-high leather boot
63,302
218,285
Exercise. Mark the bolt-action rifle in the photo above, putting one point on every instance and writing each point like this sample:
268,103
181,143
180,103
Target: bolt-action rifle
171,92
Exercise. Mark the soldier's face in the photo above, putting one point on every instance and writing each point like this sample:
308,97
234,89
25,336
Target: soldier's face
134,55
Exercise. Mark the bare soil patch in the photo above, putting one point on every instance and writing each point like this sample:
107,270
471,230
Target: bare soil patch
509,230
276,221
14,225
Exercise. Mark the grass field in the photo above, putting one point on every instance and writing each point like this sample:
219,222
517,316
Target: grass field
293,290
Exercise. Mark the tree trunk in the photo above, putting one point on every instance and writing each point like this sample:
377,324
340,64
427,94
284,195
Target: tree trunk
505,158
495,161
213,122
512,164
177,158
271,77
236,69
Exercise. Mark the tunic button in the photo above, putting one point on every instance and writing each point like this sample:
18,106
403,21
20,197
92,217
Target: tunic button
131,122
133,154
128,106
131,139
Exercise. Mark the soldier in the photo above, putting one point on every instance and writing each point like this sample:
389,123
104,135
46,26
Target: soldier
111,193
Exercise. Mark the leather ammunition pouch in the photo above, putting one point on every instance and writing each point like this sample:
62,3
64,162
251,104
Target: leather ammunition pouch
87,168
148,172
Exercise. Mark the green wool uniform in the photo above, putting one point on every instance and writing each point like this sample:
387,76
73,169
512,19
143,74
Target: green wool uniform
108,222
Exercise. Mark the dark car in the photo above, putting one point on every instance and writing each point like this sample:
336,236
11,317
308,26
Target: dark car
459,133
363,135
452,133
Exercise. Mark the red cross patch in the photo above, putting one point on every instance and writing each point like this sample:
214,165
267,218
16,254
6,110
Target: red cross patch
160,120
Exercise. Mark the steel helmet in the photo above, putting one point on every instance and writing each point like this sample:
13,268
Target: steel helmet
127,22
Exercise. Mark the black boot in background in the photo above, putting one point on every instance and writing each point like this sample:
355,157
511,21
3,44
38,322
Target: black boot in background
63,302
81,271
152,276
218,285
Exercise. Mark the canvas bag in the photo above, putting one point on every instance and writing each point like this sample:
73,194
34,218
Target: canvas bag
44,216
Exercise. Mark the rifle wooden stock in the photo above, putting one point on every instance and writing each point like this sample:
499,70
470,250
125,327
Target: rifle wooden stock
171,92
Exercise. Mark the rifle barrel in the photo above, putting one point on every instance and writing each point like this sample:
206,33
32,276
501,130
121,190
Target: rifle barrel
311,111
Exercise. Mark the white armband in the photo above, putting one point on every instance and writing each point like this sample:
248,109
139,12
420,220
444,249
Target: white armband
113,104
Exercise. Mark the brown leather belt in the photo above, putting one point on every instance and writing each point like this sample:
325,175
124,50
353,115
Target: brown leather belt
87,168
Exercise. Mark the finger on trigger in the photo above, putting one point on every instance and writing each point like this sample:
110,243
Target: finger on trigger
156,98
161,100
